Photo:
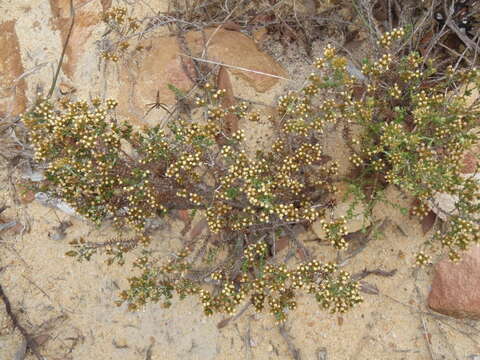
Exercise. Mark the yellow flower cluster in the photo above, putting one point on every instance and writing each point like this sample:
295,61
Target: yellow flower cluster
389,37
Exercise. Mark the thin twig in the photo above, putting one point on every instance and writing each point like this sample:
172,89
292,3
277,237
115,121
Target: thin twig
226,321
31,344
60,62
442,333
300,245
427,338
439,317
422,318
466,40
29,72
460,56
205,48
379,272
291,346
235,67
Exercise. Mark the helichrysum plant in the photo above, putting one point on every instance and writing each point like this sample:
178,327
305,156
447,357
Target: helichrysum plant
418,124
121,28
264,284
199,166
415,128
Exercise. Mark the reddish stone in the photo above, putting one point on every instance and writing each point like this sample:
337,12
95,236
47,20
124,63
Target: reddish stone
470,160
456,287
87,17
224,83
12,92
184,215
161,63
240,51
148,72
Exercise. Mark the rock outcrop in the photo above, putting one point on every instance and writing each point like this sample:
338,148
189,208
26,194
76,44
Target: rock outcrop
12,87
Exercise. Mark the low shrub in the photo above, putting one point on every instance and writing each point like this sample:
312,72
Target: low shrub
406,124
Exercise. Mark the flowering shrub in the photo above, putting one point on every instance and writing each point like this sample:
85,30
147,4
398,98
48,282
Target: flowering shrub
195,166
418,125
415,128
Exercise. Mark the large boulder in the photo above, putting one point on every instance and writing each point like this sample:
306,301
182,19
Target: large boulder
456,287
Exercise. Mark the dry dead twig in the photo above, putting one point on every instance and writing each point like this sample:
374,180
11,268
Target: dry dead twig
288,339
226,321
235,67
60,61
379,272
31,343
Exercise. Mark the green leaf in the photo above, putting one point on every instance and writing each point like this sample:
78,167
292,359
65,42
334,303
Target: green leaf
178,93
232,193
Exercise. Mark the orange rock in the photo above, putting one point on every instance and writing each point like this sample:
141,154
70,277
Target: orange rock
149,71
260,36
159,64
12,95
224,83
87,17
184,215
236,49
281,243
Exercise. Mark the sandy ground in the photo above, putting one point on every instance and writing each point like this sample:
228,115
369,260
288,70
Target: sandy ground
68,306
71,305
